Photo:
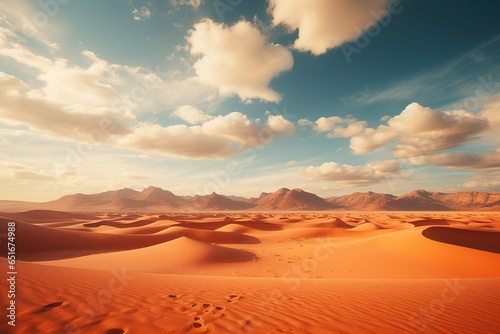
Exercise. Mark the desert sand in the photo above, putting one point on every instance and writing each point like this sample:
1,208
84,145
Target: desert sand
256,272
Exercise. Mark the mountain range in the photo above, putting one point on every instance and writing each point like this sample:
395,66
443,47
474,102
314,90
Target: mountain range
153,199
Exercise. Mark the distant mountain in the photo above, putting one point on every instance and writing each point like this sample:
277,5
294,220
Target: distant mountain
469,200
243,199
215,202
295,199
83,202
419,200
157,200
364,201
160,196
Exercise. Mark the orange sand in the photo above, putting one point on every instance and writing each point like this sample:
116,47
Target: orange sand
383,272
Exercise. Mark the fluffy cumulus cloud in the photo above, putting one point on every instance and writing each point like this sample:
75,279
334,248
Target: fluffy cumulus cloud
278,124
191,114
325,24
215,137
418,130
17,106
339,127
237,59
87,104
220,137
371,173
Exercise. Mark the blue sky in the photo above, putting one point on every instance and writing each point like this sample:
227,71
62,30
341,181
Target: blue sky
241,97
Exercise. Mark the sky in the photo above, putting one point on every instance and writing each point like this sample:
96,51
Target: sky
240,97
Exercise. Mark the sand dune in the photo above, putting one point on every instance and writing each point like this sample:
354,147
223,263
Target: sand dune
294,272
40,216
181,253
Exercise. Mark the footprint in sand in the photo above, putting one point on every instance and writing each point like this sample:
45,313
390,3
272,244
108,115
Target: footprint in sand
233,298
116,331
49,307
199,327
218,312
52,305
199,324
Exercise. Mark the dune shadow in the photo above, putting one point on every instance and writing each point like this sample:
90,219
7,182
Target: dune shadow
430,222
222,254
254,224
488,241
138,223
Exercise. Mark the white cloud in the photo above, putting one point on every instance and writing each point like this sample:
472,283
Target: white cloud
191,114
339,127
373,172
325,124
95,102
237,59
461,160
72,84
178,140
418,130
193,3
98,82
16,105
220,137
352,129
141,13
216,137
278,124
304,122
325,24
